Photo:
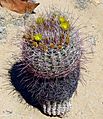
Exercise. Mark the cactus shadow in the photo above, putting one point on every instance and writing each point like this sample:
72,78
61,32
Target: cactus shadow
16,78
60,90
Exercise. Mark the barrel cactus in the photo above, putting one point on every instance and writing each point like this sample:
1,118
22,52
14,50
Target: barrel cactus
51,47
51,54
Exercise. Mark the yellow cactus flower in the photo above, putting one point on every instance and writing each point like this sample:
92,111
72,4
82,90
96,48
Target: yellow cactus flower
65,25
62,19
40,20
37,37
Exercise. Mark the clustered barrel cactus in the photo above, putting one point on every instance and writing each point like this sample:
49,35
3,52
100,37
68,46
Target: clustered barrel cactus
51,53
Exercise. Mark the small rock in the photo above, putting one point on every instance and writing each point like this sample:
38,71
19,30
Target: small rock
2,21
2,33
96,2
92,40
7,112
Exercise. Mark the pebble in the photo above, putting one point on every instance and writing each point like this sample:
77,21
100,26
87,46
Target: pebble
2,21
2,33
92,40
96,2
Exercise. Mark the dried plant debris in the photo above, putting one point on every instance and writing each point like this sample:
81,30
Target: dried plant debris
19,6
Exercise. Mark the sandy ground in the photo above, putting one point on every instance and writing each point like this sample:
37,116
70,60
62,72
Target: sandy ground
88,103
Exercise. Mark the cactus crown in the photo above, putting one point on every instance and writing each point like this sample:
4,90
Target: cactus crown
50,33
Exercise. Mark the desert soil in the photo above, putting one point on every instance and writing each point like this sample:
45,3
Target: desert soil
88,102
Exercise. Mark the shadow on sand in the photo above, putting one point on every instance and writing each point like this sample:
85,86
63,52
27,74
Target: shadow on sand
17,78
36,91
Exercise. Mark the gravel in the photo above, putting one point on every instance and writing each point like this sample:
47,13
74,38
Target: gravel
11,22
